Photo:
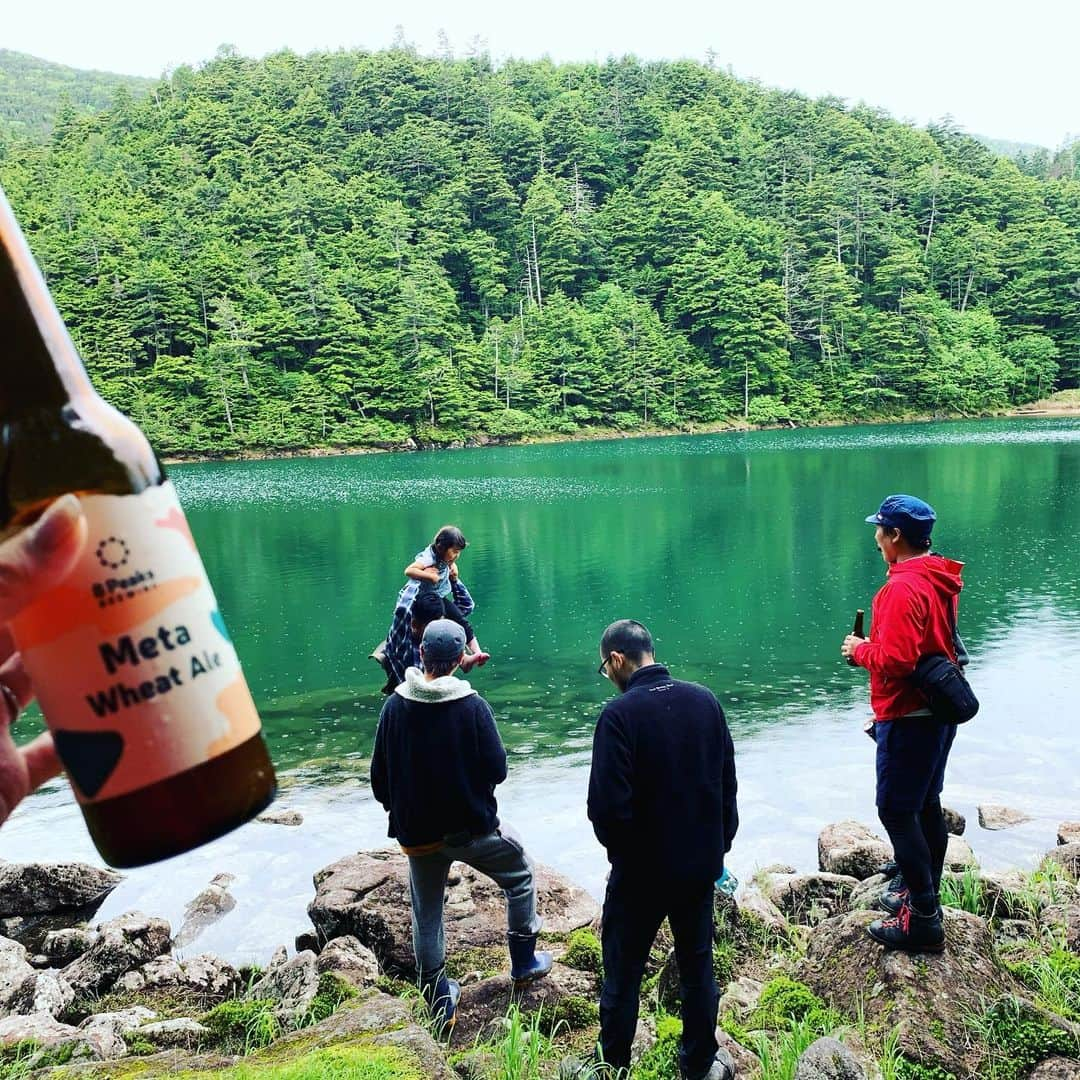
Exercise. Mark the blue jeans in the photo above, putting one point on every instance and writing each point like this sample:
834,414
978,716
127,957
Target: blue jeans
500,857
634,908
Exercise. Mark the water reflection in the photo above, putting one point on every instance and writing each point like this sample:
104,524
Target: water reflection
745,554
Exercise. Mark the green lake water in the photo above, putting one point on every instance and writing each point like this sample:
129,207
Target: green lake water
746,555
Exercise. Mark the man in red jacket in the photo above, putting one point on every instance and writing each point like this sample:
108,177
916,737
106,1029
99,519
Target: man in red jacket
913,616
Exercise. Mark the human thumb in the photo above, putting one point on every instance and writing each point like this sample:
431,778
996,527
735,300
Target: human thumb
41,555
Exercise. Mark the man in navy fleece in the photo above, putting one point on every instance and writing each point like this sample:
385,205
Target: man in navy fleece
437,760
662,801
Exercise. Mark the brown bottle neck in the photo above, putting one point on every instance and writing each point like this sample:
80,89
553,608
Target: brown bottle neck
39,366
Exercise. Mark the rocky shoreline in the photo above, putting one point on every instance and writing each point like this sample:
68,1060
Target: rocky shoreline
1059,407
801,982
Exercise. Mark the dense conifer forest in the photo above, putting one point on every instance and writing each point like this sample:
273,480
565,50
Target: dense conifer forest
351,249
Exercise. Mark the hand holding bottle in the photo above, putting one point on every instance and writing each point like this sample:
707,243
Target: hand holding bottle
30,562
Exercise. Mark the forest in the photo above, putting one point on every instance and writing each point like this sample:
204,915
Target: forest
354,249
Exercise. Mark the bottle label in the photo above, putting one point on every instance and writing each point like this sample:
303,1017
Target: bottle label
129,656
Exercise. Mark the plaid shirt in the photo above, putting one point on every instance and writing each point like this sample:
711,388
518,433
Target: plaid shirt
401,651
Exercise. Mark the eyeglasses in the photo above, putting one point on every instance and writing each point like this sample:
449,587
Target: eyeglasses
602,669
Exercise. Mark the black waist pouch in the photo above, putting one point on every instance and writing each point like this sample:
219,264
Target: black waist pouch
950,695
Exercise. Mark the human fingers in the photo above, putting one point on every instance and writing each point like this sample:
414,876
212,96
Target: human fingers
42,762
40,555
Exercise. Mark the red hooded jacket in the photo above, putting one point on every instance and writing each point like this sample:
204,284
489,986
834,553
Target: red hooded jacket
912,617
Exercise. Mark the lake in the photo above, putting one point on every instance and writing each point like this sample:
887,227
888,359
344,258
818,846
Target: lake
745,554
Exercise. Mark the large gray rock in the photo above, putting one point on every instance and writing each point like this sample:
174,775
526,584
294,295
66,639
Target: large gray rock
377,1019
866,894
808,899
367,896
955,822
755,909
63,946
210,906
15,969
293,985
828,1059
483,1006
1067,857
851,849
44,1030
107,1030
1069,832
124,943
206,976
37,888
844,964
281,816
43,992
352,960
181,1033
959,856
995,818
740,998
1056,1068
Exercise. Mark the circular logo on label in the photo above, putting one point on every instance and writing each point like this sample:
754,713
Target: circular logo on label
113,553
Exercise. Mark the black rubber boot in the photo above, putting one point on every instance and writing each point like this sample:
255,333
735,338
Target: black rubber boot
442,996
526,964
910,931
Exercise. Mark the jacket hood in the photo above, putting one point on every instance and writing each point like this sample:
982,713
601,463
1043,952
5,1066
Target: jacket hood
942,573
445,688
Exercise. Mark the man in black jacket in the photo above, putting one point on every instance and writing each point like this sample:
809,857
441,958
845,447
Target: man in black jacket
437,760
662,801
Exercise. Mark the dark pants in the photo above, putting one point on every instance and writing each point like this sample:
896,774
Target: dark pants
634,908
912,753
453,612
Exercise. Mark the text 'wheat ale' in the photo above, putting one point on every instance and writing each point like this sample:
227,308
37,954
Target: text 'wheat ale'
130,659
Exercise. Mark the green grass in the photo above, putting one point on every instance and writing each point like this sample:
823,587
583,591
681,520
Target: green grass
583,952
1054,976
332,993
661,1060
22,1058
779,1055
965,891
241,1027
785,1002
335,1063
524,1047
1016,1039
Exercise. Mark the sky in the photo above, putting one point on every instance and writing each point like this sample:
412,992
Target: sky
1002,70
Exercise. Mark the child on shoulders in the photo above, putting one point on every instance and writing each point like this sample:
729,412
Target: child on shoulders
435,569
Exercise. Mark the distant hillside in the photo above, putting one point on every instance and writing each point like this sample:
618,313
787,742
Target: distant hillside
1009,149
33,91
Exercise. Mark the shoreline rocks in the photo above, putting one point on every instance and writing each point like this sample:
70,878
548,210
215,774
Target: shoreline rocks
366,896
996,818
787,933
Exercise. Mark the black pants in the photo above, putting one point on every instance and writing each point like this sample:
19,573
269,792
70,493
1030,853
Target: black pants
911,759
634,908
453,612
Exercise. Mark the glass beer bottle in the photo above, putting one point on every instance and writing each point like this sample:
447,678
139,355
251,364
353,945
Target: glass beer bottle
128,654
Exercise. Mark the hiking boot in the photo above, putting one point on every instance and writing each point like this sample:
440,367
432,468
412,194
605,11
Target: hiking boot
442,996
910,931
526,964
896,894
722,1068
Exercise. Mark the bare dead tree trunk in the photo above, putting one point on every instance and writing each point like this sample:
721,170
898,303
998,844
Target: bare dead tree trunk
536,268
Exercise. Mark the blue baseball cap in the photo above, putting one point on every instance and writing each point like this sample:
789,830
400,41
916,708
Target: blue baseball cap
906,513
443,640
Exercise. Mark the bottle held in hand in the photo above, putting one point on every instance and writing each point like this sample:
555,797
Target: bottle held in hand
130,659
858,631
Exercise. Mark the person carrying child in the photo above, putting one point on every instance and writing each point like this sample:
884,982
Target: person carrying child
435,571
